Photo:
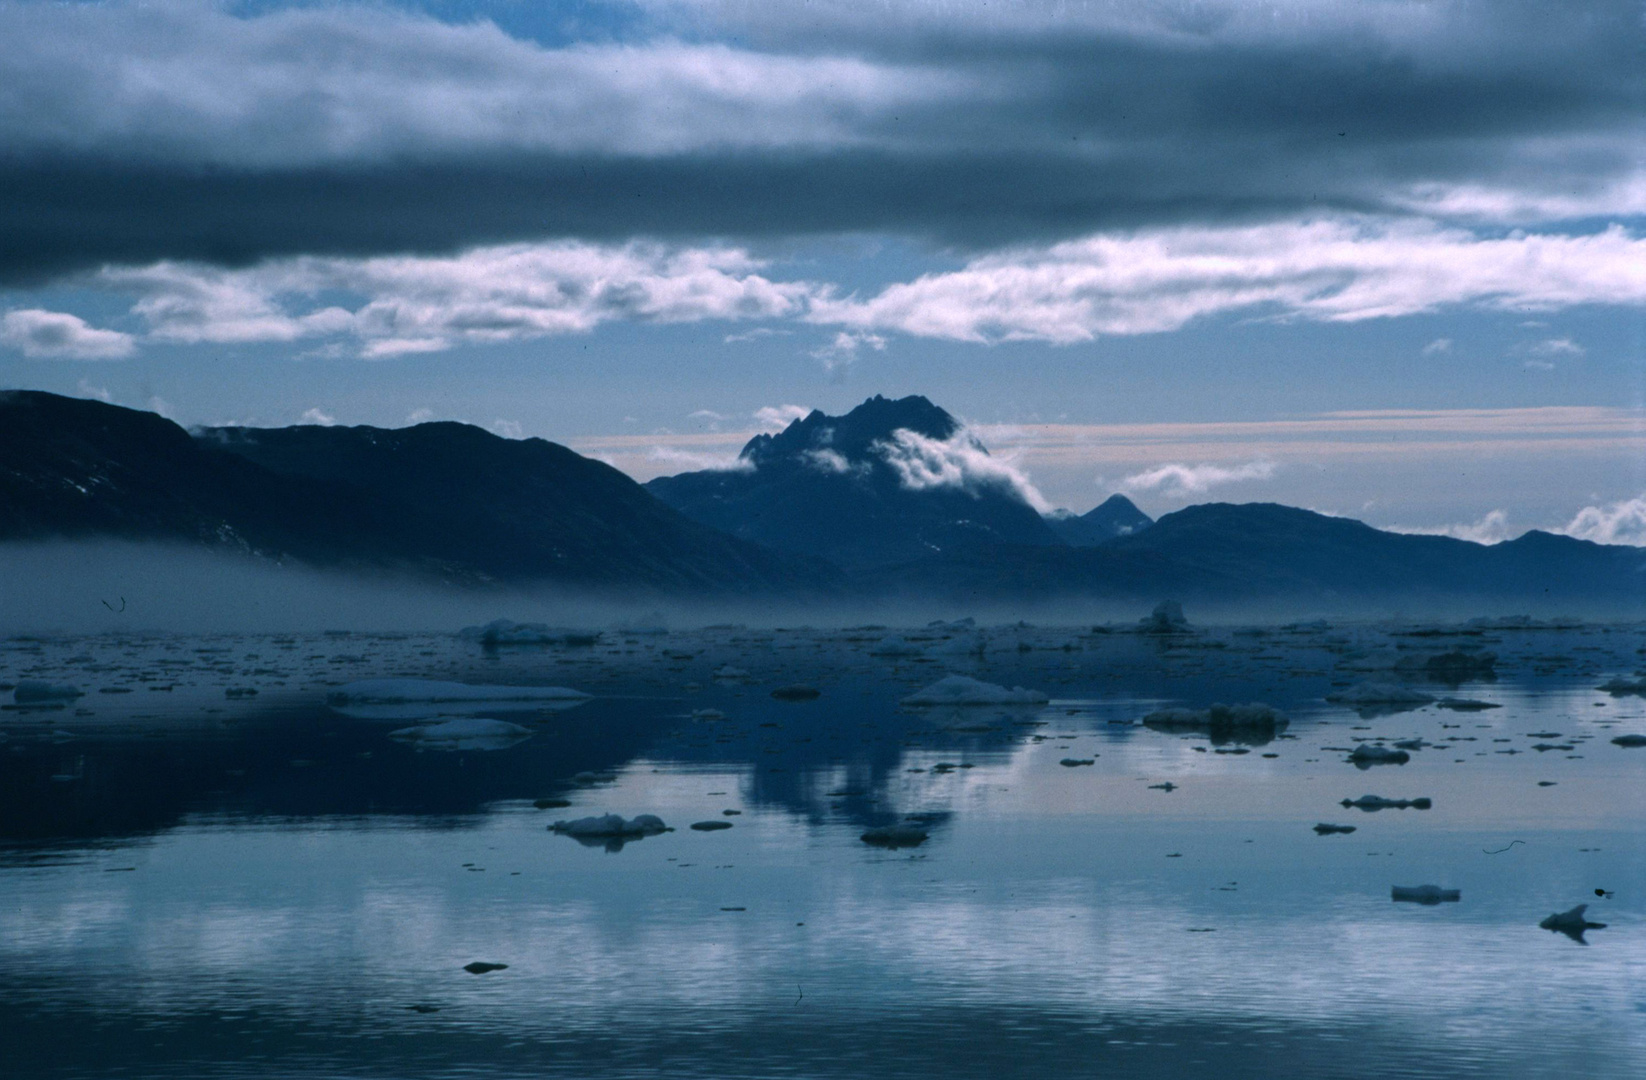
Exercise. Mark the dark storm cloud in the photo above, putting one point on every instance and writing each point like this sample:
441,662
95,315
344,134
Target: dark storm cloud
183,132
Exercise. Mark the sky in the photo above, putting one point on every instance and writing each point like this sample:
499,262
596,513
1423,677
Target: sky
1380,258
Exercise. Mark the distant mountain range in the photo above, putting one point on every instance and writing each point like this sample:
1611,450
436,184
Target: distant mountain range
444,500
894,499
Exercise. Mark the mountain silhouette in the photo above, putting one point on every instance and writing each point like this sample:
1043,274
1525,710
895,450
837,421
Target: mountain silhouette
444,499
890,481
1115,516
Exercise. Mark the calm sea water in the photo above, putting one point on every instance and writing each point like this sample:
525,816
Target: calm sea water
262,886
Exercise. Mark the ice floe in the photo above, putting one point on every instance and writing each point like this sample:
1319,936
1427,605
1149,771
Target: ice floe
464,733
965,690
1379,693
1424,894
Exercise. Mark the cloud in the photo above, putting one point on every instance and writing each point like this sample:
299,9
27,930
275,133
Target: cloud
419,416
393,305
1438,346
690,461
958,462
1178,480
98,393
1557,347
56,335
778,417
1491,528
509,429
840,354
1326,270
835,463
317,416
143,132
1614,523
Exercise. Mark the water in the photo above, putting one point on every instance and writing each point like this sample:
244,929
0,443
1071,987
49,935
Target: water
197,885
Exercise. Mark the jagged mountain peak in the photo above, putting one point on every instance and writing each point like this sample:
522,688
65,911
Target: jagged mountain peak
853,436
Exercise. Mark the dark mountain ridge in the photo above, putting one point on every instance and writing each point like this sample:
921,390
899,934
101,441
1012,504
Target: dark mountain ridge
441,499
885,483
1114,517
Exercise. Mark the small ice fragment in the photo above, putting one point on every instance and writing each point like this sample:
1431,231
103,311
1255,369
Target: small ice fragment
1375,693
1571,923
35,691
1630,740
1370,803
710,826
895,836
728,673
895,646
1620,686
796,692
464,733
1072,762
1465,704
708,714
406,691
1423,894
965,690
610,826
551,804
1368,754
1327,830
480,967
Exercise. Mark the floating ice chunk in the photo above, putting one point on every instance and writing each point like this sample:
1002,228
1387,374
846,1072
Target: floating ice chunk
1167,618
36,692
708,714
710,826
1255,722
1327,830
1369,754
429,691
1376,693
970,644
1371,803
796,692
1071,763
1617,687
1630,740
1466,704
481,967
505,632
1424,894
728,673
895,836
1571,923
610,827
464,733
1458,665
965,690
894,646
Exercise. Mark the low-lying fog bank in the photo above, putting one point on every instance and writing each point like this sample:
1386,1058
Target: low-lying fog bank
98,586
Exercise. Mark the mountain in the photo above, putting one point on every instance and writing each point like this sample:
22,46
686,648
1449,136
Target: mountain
1115,516
889,482
1219,552
444,499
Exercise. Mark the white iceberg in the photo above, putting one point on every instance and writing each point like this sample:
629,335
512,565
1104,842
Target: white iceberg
965,690
464,733
895,646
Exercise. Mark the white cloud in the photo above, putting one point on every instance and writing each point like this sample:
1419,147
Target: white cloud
419,416
57,335
99,393
840,354
509,429
1492,528
1328,270
1614,523
1178,479
690,461
778,417
409,304
317,416
958,462
834,462
1437,346
1557,347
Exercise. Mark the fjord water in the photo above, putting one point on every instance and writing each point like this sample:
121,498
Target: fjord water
262,885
